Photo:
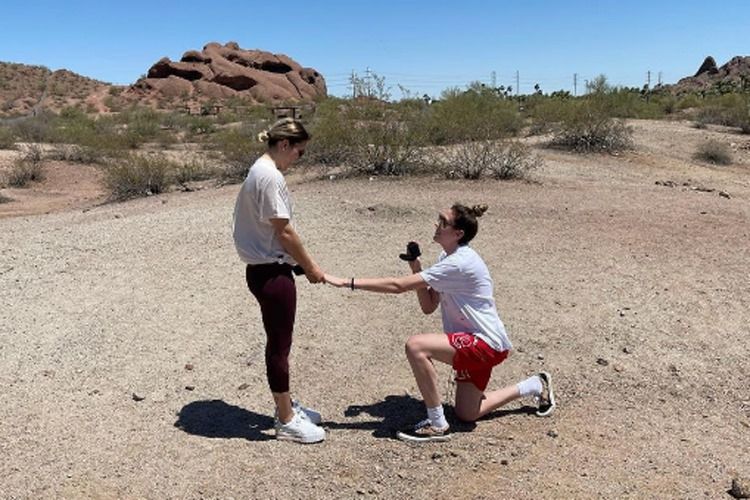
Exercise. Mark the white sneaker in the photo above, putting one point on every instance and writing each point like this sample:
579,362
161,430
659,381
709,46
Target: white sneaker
312,415
308,413
300,430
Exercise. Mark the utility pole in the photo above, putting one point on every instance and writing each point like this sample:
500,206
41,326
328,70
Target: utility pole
575,84
517,84
354,86
367,79
494,80
659,84
648,85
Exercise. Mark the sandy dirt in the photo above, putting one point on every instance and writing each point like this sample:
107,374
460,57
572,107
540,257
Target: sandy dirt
634,295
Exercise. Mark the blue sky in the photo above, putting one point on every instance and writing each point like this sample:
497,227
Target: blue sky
426,46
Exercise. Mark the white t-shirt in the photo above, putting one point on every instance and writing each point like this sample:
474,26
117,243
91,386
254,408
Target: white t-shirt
262,197
466,296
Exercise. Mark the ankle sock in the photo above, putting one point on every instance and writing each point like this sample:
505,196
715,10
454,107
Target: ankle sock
437,417
532,386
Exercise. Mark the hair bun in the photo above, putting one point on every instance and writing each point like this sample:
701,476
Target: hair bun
478,210
263,136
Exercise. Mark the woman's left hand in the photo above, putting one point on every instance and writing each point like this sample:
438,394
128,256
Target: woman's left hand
335,281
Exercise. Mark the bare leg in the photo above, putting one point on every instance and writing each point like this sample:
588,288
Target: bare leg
420,351
471,403
284,406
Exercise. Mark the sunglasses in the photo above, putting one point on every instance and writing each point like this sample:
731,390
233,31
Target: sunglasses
443,222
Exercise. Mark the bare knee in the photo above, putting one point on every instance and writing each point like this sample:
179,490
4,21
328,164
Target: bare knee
412,348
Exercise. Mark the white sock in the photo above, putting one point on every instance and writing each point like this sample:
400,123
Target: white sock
532,386
437,417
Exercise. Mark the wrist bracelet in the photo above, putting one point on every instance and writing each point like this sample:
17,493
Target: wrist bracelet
351,284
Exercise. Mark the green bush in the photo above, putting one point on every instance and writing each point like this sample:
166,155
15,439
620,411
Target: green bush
238,147
477,159
138,175
475,114
28,168
589,128
713,151
367,137
7,138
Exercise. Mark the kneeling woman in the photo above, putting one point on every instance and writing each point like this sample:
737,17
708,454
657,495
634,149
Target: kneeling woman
474,340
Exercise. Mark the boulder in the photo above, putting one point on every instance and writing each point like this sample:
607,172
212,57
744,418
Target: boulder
708,66
220,71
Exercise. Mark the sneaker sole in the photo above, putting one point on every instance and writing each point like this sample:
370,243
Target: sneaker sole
551,394
300,440
414,439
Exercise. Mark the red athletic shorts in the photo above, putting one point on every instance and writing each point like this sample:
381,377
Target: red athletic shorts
474,359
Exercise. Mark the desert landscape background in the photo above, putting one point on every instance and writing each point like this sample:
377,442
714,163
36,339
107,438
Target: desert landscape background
624,276
131,352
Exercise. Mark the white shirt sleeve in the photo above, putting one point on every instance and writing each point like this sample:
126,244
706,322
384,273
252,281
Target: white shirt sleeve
445,276
273,200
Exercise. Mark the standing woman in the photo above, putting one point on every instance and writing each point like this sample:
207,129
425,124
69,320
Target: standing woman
267,242
474,338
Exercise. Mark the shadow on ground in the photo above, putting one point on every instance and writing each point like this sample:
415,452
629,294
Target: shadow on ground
217,419
395,413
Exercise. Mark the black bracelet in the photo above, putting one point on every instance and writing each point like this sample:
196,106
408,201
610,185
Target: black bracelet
351,284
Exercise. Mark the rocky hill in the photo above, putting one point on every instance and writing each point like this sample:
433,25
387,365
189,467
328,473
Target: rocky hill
27,89
217,74
732,76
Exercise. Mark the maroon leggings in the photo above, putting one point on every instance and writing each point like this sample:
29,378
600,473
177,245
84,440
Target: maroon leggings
273,287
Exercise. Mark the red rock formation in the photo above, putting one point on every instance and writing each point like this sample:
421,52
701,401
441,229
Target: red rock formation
220,71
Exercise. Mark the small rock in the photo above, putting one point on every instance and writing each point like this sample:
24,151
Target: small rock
360,492
243,386
189,367
503,462
136,397
552,433
618,368
189,387
540,357
724,194
437,456
740,488
626,350
602,362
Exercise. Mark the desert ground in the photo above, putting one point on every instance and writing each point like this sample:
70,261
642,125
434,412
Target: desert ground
131,352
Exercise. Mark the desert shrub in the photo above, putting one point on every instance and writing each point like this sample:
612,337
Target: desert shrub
138,175
7,138
332,132
191,171
475,114
75,153
589,128
5,199
141,125
515,162
367,137
35,129
27,168
238,148
713,151
498,159
545,113
731,110
384,148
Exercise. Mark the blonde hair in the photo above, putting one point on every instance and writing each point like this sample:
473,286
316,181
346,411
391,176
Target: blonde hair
286,128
